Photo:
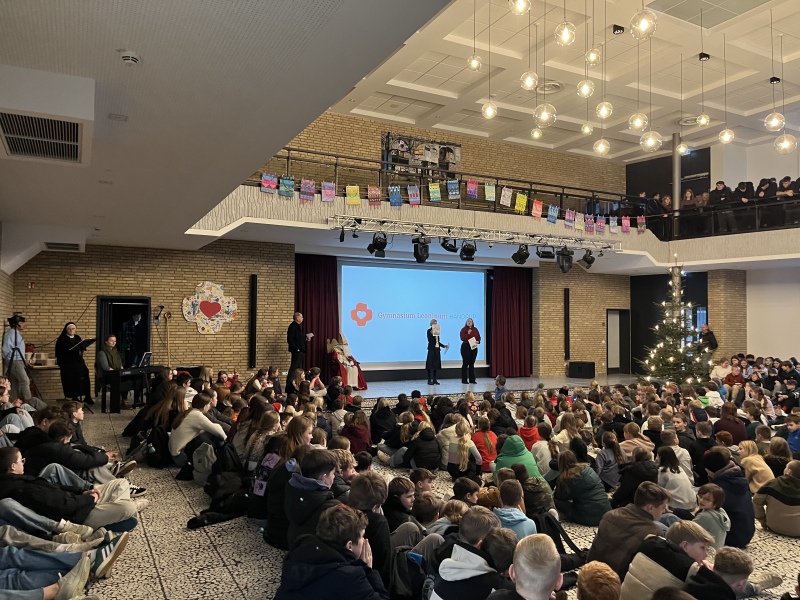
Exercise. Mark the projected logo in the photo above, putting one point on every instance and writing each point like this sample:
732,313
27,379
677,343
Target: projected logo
361,314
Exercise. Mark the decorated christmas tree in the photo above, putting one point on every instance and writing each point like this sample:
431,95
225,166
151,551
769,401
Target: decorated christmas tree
678,355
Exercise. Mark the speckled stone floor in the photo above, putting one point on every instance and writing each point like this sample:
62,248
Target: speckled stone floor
231,560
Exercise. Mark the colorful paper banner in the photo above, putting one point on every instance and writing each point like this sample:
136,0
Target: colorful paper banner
353,195
328,191
374,196
307,190
286,188
395,199
536,211
269,183
453,190
472,189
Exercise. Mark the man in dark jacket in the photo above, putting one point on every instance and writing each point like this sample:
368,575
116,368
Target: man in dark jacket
309,494
708,338
698,450
335,563
722,195
296,340
738,499
79,459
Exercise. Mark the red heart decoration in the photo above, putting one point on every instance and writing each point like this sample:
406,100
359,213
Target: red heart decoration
209,309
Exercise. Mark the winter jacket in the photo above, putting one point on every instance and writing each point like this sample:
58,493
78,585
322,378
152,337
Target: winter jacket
716,522
682,494
340,488
443,527
377,532
317,569
51,501
392,437
515,520
468,575
424,450
655,438
629,446
756,471
381,422
513,452
697,451
438,414
685,438
306,500
529,435
607,467
734,426
630,476
359,436
658,563
537,496
707,585
618,538
75,458
336,420
30,437
444,437
738,504
277,531
396,514
504,421
543,456
777,464
582,499
777,505
487,456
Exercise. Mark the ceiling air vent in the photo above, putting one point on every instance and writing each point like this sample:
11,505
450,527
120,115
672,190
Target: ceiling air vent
62,247
36,137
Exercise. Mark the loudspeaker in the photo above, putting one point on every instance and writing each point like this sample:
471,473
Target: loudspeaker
580,370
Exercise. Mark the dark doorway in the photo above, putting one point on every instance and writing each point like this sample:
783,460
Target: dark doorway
116,315
618,341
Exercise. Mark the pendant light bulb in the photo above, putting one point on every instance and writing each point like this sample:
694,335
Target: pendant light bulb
489,110
587,129
601,147
785,144
682,149
545,114
774,121
536,133
638,122
565,34
644,24
604,110
726,136
474,63
585,88
529,80
519,7
651,141
593,57
703,120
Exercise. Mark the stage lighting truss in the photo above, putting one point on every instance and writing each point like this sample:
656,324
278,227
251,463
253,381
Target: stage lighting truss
451,237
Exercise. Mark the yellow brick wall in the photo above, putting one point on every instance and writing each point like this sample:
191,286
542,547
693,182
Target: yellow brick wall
727,311
67,286
591,294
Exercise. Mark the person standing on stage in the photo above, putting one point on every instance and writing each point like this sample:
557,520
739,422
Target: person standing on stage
14,358
469,352
74,372
297,345
434,360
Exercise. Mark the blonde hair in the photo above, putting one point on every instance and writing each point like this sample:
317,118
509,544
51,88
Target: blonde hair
537,565
464,433
747,448
688,531
453,510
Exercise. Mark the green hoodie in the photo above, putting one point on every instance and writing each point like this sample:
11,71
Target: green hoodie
513,452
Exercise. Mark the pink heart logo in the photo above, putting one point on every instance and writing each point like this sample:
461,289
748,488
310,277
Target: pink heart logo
209,309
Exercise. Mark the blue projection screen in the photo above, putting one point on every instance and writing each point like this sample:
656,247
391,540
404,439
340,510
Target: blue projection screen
386,312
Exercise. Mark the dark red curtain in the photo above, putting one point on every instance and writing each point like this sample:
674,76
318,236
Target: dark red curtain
511,322
316,295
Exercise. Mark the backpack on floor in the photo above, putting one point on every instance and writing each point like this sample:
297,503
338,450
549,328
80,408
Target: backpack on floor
546,523
158,455
226,475
407,576
203,460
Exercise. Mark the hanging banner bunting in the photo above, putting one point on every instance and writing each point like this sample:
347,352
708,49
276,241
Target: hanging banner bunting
395,199
453,190
612,225
505,196
472,189
601,225
374,196
269,183
521,203
589,224
328,191
640,224
306,190
489,191
626,224
536,211
353,195
569,219
434,192
286,188
413,195
552,214
579,222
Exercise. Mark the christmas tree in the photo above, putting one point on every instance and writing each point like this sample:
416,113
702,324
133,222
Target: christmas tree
678,355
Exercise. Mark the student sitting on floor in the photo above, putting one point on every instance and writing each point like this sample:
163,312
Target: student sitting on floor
422,480
536,570
400,502
309,493
509,513
367,493
579,496
451,514
466,490
642,468
191,424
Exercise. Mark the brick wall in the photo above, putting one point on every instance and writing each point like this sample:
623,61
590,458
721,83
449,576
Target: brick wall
67,286
591,294
727,311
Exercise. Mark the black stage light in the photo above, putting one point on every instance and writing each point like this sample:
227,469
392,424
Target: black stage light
587,261
617,29
467,251
449,245
774,80
521,255
421,248
542,253
341,235
378,245
564,259
704,56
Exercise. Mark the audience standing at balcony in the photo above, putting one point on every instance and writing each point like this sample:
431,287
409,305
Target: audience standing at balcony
720,196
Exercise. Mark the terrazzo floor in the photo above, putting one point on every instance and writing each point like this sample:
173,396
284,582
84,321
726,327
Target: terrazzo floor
231,560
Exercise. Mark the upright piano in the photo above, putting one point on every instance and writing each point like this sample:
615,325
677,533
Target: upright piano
115,379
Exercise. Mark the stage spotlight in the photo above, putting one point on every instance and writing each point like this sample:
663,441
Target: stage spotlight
521,255
421,248
341,235
378,245
587,261
449,245
355,235
542,253
564,259
467,251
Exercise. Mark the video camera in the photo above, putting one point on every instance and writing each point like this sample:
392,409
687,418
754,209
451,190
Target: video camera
16,319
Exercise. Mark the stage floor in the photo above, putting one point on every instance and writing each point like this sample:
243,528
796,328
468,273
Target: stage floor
391,389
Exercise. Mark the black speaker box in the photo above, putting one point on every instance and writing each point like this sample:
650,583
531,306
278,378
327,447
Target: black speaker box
580,370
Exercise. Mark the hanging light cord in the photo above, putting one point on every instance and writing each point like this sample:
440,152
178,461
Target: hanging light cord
529,41
772,59
638,78
490,50
725,74
474,25
650,85
680,121
783,91
702,69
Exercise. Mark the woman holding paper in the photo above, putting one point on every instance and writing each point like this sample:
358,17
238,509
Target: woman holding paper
74,372
434,361
470,338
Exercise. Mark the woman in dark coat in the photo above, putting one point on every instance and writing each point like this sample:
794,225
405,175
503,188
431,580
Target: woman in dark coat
74,372
434,361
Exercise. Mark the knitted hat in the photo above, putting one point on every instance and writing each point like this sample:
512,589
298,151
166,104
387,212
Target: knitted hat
714,461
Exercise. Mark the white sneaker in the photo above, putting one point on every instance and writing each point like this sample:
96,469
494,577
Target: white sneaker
141,503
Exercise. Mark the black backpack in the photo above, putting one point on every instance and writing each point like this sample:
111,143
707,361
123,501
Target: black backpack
226,474
546,523
408,576
158,455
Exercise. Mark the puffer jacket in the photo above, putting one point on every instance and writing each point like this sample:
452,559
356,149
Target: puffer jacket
658,563
306,500
582,499
631,475
445,437
618,538
777,505
424,450
513,452
738,504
